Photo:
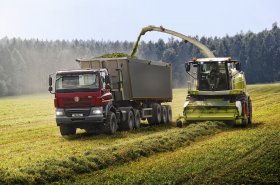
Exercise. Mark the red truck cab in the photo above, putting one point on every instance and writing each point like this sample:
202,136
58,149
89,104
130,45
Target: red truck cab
81,99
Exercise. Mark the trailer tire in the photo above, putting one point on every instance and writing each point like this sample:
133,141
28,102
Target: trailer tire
169,113
163,114
156,114
66,130
128,124
111,123
137,119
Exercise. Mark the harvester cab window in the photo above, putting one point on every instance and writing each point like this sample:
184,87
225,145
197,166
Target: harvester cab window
212,76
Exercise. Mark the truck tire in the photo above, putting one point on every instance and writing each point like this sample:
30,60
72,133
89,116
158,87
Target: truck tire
156,114
163,114
169,113
128,124
66,130
137,119
111,123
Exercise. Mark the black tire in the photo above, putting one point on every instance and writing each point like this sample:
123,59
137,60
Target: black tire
137,119
163,114
250,111
66,130
156,114
245,120
169,113
179,124
128,124
111,125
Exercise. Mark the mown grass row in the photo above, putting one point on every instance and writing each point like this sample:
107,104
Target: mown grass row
54,170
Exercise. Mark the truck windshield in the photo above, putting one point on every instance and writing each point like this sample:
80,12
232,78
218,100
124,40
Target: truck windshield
77,82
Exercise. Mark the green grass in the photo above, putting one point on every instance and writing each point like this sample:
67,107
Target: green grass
32,150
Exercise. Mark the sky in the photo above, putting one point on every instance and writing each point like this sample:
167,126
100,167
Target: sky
123,19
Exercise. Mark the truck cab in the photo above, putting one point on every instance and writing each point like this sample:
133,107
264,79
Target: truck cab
81,98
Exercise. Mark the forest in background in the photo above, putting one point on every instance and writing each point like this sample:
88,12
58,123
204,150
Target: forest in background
26,64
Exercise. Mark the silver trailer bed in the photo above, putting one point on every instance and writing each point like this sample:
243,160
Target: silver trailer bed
135,79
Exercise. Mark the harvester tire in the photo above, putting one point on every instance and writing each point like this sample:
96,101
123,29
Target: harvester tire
111,125
250,111
163,114
66,130
137,119
156,114
179,124
128,124
169,113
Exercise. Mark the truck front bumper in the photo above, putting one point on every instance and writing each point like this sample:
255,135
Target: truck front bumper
86,119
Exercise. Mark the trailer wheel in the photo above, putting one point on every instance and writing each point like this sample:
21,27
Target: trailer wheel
156,114
169,113
66,130
111,123
163,114
128,124
137,119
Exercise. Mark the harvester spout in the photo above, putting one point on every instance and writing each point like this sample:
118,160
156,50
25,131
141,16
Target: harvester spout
203,49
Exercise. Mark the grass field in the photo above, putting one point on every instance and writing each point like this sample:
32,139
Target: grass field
32,150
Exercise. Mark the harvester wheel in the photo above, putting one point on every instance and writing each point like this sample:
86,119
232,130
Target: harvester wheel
111,123
128,124
66,130
137,119
163,114
156,114
249,111
179,124
169,113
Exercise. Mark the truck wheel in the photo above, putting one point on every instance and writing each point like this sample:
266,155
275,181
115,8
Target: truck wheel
66,130
156,114
137,119
163,114
111,123
128,124
169,113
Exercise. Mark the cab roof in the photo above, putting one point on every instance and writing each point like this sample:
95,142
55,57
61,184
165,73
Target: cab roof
77,71
217,59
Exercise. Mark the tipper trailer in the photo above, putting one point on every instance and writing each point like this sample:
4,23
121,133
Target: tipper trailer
110,94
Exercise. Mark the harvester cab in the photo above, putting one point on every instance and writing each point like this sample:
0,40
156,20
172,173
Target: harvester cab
216,91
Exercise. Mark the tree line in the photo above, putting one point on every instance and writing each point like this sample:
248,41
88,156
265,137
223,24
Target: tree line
26,64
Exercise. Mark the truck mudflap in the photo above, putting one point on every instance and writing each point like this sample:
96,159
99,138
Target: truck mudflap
211,111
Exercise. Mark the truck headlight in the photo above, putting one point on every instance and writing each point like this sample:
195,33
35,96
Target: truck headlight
59,112
96,110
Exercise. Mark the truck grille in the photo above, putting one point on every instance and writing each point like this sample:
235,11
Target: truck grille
83,102
69,112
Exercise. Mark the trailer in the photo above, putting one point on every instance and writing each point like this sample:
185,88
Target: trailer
110,94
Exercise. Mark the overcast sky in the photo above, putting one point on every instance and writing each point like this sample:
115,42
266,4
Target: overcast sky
123,19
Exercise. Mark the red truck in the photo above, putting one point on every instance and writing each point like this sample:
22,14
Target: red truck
110,94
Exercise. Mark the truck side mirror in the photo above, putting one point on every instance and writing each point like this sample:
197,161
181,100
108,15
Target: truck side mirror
238,66
187,66
50,81
107,79
50,88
